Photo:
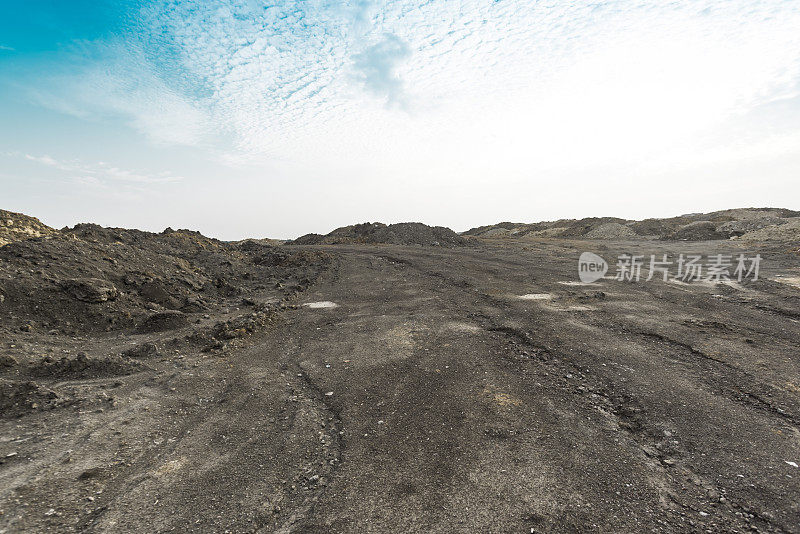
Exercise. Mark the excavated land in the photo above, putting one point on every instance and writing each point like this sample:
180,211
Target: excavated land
175,383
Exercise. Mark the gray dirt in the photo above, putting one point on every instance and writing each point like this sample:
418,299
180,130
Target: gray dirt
431,399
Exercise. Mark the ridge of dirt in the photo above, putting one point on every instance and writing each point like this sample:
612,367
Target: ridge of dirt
94,279
752,223
410,233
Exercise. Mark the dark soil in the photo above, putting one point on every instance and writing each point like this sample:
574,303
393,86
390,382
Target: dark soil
93,279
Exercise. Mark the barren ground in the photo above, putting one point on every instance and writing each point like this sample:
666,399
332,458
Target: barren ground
432,399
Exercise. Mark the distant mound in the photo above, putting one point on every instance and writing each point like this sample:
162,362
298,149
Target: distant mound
392,234
750,223
789,230
611,231
18,227
697,231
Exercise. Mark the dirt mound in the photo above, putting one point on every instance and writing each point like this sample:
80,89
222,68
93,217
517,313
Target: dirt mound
503,227
308,239
789,231
654,227
742,214
697,231
392,234
581,227
611,231
690,227
17,227
743,226
93,279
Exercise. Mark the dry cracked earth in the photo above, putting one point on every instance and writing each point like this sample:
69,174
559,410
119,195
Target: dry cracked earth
412,389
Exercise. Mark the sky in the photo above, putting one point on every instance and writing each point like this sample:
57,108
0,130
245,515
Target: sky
248,118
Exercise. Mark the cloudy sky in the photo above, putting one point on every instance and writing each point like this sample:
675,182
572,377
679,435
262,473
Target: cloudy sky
277,118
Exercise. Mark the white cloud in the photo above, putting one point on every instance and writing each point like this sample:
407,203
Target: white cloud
114,79
377,68
102,172
490,79
509,91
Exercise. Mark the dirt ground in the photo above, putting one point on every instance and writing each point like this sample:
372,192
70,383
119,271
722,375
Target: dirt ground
420,393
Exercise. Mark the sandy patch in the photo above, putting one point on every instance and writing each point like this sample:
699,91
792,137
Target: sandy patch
500,398
170,467
321,304
464,328
536,296
793,281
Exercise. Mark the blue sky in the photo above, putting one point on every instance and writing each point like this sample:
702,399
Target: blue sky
251,118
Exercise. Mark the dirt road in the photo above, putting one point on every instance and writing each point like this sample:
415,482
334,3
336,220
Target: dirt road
426,394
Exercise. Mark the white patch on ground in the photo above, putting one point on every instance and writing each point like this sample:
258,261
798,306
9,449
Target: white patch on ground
793,281
577,283
536,296
321,304
466,328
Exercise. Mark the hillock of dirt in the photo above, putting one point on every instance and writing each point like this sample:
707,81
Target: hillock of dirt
724,224
788,231
94,279
392,234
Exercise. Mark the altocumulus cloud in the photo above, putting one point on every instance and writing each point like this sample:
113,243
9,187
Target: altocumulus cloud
376,67
511,85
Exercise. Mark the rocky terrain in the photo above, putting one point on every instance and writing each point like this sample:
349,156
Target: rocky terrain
399,378
74,302
746,223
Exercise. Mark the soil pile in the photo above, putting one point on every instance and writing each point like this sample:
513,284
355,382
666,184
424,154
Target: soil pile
696,231
93,279
717,225
392,234
743,226
17,227
611,231
789,230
